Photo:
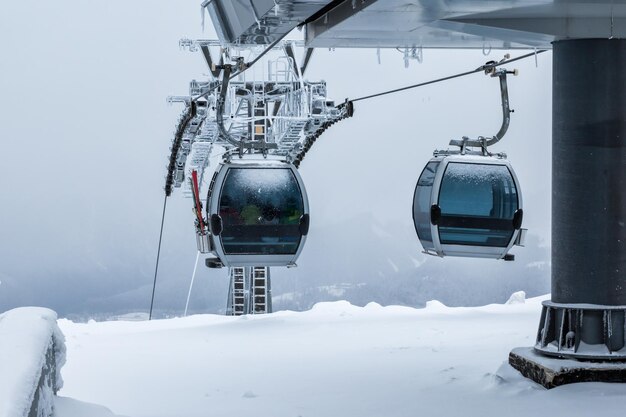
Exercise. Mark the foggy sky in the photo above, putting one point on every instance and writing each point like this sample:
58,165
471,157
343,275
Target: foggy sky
85,134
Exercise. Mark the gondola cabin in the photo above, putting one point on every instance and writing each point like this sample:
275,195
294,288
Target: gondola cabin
469,206
258,213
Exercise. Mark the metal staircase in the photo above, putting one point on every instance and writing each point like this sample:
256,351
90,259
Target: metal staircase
249,291
261,290
237,292
292,135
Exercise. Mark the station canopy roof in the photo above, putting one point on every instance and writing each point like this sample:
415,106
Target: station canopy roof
498,24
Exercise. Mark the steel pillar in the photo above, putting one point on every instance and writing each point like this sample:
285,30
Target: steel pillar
586,317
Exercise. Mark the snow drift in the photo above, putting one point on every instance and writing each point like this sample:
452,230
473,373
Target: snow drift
32,352
336,359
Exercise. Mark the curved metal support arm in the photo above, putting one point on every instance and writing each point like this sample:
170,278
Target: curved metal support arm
219,117
483,142
506,110
219,108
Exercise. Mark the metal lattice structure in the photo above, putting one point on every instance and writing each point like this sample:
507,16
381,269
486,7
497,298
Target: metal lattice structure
274,111
270,110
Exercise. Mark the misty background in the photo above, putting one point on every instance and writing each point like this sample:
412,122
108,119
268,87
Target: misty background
85,134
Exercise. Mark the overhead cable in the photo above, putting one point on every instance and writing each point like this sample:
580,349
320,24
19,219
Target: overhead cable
489,65
349,108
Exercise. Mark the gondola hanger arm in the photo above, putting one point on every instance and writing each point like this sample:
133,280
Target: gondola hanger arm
482,142
506,109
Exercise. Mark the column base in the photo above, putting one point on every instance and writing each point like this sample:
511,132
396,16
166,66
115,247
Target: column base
552,372
582,331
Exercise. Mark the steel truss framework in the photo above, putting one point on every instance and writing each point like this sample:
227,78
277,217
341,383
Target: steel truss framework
274,111
270,110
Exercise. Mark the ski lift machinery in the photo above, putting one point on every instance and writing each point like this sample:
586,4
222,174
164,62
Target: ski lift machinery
468,202
257,210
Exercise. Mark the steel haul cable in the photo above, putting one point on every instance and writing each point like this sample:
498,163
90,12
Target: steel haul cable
310,140
493,64
156,269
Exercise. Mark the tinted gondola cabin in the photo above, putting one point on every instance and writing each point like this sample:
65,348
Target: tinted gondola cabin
258,213
468,206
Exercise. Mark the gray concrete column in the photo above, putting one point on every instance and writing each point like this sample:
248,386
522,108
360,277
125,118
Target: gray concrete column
589,172
586,317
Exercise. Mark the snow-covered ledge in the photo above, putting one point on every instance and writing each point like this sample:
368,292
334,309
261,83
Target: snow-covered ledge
32,352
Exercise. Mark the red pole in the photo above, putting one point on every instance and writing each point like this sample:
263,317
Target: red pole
196,196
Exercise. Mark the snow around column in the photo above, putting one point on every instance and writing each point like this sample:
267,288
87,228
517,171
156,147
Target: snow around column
26,337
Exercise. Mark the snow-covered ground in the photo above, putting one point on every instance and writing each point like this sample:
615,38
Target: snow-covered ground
334,360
